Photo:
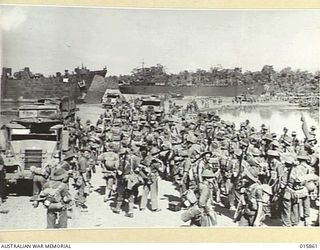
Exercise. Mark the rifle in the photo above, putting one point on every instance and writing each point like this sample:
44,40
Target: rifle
241,203
240,162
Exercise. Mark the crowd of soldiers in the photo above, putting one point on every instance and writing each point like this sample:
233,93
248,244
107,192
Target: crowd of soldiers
250,171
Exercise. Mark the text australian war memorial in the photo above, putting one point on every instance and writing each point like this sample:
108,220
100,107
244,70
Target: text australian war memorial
204,148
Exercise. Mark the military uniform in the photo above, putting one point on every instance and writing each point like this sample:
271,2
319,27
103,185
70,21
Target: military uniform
80,181
57,197
40,176
227,183
150,174
289,202
133,180
122,173
111,165
207,216
252,213
184,172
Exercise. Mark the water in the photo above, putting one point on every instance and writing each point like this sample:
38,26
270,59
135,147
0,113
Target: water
7,118
275,117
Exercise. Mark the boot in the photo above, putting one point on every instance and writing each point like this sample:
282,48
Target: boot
130,215
116,210
307,222
35,204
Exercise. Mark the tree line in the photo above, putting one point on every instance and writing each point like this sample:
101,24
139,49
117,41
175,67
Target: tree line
285,80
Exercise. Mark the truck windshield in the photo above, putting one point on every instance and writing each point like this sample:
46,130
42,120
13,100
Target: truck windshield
150,103
36,113
46,113
45,137
113,96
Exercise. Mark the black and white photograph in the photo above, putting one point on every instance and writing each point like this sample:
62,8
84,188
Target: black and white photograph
158,118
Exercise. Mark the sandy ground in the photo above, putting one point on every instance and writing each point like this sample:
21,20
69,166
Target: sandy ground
99,215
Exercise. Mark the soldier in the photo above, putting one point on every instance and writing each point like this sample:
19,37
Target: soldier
203,164
150,173
56,198
123,170
227,182
304,167
300,191
255,197
166,156
68,161
133,180
275,167
40,176
89,170
80,181
73,138
208,215
264,130
290,206
295,141
183,172
287,145
78,123
312,133
111,162
217,179
193,147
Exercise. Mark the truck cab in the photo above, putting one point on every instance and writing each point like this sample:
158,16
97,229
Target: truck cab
36,138
111,97
153,107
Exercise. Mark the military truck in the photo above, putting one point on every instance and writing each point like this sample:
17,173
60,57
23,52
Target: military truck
111,97
153,107
36,138
61,108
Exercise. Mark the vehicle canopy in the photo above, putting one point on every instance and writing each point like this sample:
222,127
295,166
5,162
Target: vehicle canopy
51,108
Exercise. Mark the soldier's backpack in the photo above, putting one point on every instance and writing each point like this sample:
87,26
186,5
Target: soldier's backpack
251,200
116,134
51,196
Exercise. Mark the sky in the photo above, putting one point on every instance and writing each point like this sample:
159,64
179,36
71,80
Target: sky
52,39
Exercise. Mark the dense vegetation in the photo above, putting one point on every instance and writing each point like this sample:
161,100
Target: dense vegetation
285,80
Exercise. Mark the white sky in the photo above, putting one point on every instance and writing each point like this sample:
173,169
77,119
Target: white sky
51,39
